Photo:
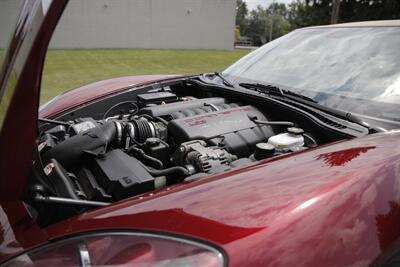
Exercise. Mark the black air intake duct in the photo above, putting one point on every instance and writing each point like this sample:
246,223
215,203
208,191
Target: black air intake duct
71,152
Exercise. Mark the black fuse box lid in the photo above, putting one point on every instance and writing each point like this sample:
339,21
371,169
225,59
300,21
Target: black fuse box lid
156,98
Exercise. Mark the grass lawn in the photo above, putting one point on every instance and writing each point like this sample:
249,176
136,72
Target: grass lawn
66,69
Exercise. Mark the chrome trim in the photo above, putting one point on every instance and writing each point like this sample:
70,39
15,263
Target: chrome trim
218,252
69,201
119,131
152,129
131,130
212,105
84,257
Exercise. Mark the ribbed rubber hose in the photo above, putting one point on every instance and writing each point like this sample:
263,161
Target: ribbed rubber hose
167,171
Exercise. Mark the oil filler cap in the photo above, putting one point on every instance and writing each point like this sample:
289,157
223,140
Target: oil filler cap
263,151
295,130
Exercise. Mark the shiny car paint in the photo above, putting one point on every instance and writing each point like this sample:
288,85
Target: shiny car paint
335,205
20,78
90,92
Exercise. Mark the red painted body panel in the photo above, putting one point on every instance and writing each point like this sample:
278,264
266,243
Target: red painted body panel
21,75
17,230
92,91
337,205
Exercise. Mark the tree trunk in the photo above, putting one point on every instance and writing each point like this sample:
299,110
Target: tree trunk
335,11
271,25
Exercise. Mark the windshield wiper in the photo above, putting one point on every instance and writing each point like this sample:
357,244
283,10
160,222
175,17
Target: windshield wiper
224,80
274,90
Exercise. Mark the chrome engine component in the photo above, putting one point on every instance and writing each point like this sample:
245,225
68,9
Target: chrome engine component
196,156
142,128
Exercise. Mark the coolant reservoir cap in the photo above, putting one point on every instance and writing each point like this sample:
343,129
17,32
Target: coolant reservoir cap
263,150
295,130
151,141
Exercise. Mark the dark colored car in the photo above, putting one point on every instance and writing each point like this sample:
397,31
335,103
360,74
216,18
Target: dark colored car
289,157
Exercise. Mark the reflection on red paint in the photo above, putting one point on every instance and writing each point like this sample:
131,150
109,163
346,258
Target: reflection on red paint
341,157
123,249
182,220
17,230
388,225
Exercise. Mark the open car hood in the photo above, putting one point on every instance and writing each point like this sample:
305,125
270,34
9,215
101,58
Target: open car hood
93,91
20,85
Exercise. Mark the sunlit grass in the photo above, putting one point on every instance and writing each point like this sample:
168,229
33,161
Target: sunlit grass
66,69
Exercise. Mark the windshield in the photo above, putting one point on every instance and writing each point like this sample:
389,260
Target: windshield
353,69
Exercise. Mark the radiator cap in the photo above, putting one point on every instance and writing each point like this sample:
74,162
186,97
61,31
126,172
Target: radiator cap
263,151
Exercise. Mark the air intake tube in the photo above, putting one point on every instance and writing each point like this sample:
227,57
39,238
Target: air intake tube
70,153
142,128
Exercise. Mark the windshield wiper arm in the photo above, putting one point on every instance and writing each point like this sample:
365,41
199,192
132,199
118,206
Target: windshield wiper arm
224,80
274,90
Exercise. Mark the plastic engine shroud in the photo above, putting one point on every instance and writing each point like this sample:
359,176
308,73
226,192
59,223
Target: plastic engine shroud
229,127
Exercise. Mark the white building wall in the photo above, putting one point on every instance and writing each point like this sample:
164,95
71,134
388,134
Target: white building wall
9,10
165,24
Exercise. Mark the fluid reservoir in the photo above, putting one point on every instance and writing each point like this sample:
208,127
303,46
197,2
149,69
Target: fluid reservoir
263,151
292,140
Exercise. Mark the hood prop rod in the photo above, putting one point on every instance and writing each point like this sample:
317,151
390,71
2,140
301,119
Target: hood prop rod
55,122
69,201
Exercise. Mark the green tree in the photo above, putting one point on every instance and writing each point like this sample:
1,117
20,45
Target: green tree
278,8
260,23
241,16
281,26
237,33
302,13
369,10
299,15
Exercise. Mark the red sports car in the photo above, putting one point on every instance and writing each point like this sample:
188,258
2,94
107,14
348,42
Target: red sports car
289,157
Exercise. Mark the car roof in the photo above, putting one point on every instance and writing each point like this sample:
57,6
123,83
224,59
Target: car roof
372,23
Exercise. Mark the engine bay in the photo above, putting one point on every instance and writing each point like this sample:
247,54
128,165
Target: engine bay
153,138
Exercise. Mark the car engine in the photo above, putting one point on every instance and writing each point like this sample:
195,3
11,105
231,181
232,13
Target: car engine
161,140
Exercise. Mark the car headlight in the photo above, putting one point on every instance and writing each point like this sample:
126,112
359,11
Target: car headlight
121,249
